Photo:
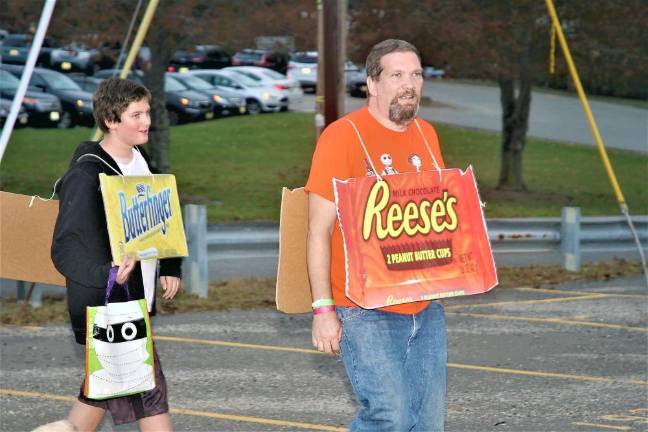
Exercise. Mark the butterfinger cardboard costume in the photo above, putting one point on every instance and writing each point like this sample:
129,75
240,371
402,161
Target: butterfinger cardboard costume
143,216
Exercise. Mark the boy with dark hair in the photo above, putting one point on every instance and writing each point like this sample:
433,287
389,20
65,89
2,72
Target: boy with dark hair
81,247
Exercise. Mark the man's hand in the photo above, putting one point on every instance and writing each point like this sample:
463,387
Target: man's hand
327,331
125,269
170,285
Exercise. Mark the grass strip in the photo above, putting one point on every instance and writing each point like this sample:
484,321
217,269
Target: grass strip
237,167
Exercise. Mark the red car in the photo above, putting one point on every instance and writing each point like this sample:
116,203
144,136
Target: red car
268,59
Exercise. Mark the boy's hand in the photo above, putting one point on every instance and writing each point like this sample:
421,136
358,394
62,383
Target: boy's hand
170,285
125,269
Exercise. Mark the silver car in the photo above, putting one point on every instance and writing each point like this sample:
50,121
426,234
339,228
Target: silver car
302,67
270,78
258,98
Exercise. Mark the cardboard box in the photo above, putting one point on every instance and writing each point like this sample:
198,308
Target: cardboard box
26,239
293,293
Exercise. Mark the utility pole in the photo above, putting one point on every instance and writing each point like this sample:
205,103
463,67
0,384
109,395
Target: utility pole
331,45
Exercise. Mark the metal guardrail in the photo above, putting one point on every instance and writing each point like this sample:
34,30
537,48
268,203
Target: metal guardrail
515,235
569,236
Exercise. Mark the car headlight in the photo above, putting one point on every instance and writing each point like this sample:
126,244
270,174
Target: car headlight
218,99
80,103
265,95
306,70
184,101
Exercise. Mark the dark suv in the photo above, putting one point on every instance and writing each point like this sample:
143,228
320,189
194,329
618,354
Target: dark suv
201,57
15,49
44,109
76,103
269,59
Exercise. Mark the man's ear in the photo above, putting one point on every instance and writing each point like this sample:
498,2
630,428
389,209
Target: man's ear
371,86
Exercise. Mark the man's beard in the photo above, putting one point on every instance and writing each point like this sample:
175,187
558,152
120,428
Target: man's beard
403,114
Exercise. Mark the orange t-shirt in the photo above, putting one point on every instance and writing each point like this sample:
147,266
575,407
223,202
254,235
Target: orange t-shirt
339,154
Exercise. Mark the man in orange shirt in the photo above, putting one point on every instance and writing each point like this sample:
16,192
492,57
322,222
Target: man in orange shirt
395,356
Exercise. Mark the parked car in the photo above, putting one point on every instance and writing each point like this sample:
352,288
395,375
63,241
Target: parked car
357,83
15,49
225,102
43,109
133,75
303,68
431,72
185,105
5,107
257,97
76,103
268,77
77,57
87,83
268,59
201,57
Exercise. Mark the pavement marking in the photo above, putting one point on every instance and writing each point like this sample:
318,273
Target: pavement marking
553,321
602,426
236,344
451,365
546,374
310,426
555,291
190,412
526,302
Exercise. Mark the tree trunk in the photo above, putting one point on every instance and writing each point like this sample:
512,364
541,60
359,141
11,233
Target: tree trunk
162,48
515,96
159,130
515,123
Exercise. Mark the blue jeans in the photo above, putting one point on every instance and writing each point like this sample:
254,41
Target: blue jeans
397,366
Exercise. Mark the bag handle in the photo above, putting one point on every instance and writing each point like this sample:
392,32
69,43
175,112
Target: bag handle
112,281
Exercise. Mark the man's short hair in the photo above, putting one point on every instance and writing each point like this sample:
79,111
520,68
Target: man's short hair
374,67
112,98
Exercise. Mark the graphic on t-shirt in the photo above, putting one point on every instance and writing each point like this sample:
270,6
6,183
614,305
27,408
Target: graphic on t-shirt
369,168
386,160
415,161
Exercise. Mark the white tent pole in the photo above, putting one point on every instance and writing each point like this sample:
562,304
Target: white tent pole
48,8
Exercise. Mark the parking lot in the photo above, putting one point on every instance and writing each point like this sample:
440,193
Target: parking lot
573,358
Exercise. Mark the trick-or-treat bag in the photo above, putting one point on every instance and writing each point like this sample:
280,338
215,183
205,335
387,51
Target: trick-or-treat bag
143,216
413,236
119,347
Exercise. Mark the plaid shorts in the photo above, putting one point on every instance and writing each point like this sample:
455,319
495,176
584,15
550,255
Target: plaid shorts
128,409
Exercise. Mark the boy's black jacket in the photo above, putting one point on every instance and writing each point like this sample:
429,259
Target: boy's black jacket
81,247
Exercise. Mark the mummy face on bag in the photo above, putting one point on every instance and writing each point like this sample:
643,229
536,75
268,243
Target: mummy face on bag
120,338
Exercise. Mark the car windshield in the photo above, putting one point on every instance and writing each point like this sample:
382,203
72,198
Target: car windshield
273,74
249,56
195,82
172,84
58,81
8,81
243,80
16,41
248,74
305,58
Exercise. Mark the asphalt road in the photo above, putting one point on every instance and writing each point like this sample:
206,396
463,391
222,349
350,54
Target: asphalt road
552,116
568,359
